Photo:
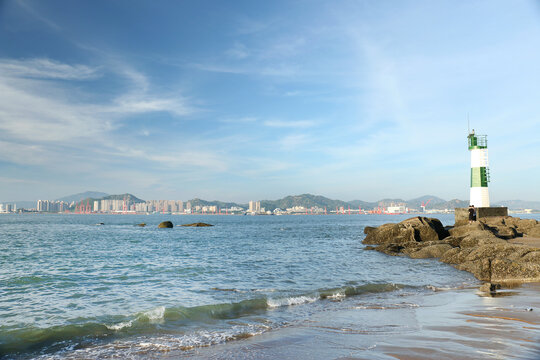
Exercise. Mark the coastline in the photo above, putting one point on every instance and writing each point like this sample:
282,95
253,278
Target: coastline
445,324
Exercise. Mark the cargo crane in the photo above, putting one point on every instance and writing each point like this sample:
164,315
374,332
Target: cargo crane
423,206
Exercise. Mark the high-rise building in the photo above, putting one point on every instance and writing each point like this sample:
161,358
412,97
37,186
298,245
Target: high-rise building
254,206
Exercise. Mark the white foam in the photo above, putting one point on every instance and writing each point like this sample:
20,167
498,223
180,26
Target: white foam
156,314
336,296
298,300
120,326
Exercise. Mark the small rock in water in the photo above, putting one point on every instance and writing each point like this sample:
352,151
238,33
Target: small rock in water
141,224
100,224
529,309
489,287
197,224
165,224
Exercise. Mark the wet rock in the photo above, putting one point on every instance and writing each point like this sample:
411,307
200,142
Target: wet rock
165,225
390,249
413,229
433,251
510,270
480,248
141,224
199,224
456,255
490,287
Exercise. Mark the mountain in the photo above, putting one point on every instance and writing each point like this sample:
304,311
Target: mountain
363,204
416,203
219,204
126,196
448,204
305,200
82,196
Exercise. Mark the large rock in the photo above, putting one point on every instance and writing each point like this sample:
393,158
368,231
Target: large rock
480,248
534,231
433,251
410,230
503,270
165,225
456,255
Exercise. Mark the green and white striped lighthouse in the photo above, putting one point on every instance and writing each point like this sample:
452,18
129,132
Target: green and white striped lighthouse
479,170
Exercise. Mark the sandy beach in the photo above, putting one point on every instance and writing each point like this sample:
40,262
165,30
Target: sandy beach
444,324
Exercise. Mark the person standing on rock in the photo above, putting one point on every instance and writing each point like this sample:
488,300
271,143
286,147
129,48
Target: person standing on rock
472,214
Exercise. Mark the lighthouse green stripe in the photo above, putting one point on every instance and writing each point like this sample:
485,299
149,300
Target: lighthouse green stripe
479,177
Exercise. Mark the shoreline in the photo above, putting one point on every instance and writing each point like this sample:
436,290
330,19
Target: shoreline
446,324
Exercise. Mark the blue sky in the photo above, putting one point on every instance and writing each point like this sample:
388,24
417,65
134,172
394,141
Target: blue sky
241,100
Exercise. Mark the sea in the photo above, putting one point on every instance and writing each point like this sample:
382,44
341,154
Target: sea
76,286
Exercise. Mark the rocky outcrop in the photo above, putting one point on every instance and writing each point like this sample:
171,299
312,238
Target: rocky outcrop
199,224
482,248
165,225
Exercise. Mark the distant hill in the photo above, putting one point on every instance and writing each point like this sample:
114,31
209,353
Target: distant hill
434,202
362,204
219,204
90,200
126,196
448,204
83,196
305,200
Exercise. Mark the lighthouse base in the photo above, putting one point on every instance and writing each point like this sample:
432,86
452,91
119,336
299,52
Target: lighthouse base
461,215
479,197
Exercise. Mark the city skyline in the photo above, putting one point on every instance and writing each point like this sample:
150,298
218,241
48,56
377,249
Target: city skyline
249,100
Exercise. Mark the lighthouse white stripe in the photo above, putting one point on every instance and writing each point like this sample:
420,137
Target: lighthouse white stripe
479,158
480,196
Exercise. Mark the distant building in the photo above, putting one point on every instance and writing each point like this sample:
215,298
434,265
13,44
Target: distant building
254,206
397,209
51,206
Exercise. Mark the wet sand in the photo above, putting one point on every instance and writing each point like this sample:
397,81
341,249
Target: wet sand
450,324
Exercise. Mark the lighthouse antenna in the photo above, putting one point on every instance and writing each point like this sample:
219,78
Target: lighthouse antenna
468,125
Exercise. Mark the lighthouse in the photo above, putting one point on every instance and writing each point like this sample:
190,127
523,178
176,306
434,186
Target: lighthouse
479,170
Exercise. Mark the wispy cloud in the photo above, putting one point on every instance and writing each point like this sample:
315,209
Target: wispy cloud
290,124
10,180
30,9
42,113
238,51
294,142
44,68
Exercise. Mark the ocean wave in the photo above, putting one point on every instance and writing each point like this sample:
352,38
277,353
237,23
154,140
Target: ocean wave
295,300
142,347
143,323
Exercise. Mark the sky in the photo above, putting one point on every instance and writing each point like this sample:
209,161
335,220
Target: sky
253,100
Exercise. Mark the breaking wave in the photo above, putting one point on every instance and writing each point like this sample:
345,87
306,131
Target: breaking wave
173,320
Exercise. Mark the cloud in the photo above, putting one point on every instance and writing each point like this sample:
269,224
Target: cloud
10,180
292,142
45,118
239,120
44,68
290,124
51,24
238,51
